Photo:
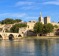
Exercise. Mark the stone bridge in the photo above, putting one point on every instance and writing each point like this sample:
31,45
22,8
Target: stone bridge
22,33
6,35
10,35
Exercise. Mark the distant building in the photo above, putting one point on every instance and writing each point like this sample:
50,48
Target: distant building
30,25
41,19
47,20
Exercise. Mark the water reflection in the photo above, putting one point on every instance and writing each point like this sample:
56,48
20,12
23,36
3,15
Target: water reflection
44,47
30,47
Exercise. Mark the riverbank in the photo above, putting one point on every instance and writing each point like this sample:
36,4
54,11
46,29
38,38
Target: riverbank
41,37
35,37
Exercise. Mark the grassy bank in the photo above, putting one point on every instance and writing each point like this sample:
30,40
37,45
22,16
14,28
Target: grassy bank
41,37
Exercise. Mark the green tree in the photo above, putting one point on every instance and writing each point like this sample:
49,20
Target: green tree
55,26
10,21
47,28
16,27
38,28
7,21
18,20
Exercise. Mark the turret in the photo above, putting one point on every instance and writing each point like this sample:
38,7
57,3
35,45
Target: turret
41,18
47,20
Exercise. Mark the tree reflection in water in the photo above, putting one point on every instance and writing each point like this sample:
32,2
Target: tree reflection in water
30,47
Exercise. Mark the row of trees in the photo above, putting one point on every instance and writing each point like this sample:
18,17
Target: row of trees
10,21
15,28
40,28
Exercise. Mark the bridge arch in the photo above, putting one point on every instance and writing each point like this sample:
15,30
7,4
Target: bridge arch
19,35
57,32
1,37
11,37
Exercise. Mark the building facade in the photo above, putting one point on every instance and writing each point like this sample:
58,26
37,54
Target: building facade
47,20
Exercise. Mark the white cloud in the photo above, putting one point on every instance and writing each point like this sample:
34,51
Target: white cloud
27,5
20,3
23,3
52,2
31,18
13,14
23,16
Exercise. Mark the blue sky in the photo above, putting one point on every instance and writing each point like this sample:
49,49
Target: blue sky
29,9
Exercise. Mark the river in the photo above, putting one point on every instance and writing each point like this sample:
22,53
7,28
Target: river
29,47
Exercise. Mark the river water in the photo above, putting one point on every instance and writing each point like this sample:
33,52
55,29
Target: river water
29,47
